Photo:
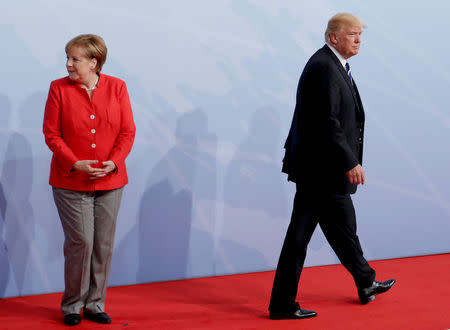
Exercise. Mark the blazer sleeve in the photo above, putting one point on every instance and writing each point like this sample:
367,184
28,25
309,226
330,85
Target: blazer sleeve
124,141
53,133
330,97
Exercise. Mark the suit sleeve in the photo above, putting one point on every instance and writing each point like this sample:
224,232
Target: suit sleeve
125,139
53,132
331,102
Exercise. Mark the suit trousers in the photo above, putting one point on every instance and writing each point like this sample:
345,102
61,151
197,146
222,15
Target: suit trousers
336,216
88,219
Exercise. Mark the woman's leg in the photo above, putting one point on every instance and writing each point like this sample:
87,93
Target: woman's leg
76,211
106,208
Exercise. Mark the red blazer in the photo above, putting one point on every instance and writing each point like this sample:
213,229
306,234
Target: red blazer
78,128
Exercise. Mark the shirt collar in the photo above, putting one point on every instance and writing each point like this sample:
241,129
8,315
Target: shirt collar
339,56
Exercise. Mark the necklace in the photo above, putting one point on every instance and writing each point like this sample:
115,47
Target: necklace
93,87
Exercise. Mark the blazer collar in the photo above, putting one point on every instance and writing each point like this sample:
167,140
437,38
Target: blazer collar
100,81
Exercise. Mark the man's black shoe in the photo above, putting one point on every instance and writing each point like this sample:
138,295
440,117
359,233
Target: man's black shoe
368,294
72,319
102,317
297,313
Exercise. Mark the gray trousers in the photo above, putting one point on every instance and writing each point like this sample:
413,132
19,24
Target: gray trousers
88,219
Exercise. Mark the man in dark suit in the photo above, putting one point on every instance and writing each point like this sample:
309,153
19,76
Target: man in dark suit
323,157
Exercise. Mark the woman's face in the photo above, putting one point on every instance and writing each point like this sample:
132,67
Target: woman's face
79,66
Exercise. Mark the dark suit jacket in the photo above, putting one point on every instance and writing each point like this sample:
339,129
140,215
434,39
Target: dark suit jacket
326,135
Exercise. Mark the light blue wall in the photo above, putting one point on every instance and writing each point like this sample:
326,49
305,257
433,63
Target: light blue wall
212,84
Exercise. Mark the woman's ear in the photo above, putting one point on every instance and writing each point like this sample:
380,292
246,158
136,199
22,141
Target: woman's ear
93,63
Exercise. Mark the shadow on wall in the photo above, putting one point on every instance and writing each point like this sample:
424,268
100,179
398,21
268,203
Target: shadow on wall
17,177
203,150
254,197
164,227
253,180
19,171
5,107
166,211
179,179
4,263
24,165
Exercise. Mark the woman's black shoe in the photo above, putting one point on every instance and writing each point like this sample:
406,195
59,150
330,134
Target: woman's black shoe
102,317
72,319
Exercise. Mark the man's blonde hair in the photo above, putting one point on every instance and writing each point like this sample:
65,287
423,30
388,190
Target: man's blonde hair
340,21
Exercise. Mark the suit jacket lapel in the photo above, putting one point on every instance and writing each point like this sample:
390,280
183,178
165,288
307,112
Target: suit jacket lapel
358,98
346,78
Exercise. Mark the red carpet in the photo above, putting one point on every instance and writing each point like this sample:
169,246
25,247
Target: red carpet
419,300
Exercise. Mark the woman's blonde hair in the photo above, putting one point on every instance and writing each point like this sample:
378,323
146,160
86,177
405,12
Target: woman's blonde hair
93,46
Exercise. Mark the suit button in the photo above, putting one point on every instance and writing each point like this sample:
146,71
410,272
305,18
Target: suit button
93,131
93,145
92,117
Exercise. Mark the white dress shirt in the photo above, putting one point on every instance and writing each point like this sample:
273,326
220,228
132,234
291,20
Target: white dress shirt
339,56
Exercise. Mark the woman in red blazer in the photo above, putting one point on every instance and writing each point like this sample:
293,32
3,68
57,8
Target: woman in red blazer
89,127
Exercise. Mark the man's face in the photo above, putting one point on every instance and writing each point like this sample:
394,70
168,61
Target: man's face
347,41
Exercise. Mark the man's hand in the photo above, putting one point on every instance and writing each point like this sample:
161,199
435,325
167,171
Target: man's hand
94,173
356,175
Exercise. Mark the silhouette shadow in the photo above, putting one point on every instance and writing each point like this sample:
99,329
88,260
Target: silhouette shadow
254,196
17,177
176,183
253,176
5,107
4,262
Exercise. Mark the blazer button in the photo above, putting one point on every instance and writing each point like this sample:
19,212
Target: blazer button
92,117
93,131
93,145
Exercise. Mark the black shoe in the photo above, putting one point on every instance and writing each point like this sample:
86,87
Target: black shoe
297,313
102,317
72,319
368,294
